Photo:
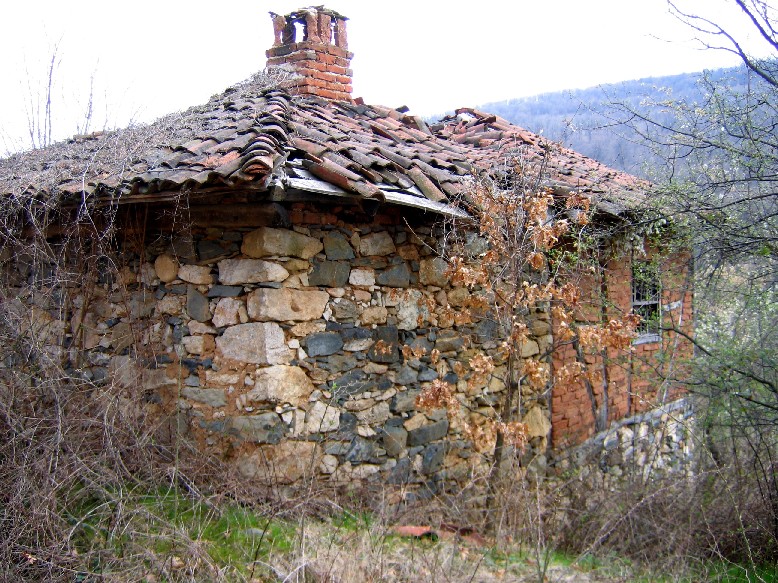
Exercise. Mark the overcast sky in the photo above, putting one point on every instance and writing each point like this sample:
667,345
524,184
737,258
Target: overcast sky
143,59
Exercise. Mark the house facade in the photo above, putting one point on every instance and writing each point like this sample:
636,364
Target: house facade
280,291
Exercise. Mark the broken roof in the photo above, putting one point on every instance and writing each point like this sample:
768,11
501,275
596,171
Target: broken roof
257,137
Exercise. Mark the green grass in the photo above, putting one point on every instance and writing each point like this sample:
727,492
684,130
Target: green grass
142,532
165,523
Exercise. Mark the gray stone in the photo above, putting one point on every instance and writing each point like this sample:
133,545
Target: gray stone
374,415
406,376
197,305
401,473
380,243
427,374
210,397
448,341
209,250
394,440
337,247
404,402
360,451
323,344
285,304
255,343
281,384
475,245
487,329
427,433
432,458
351,383
225,291
339,363
264,428
433,272
265,242
356,333
395,276
142,304
386,348
344,309
243,271
329,273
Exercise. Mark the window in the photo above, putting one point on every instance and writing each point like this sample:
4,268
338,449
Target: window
646,300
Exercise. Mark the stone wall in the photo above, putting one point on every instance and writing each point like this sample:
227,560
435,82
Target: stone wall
299,351
654,444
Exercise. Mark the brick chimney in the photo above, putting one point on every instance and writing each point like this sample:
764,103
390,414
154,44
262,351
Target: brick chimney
320,60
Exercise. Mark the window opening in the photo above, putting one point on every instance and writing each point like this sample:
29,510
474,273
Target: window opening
646,300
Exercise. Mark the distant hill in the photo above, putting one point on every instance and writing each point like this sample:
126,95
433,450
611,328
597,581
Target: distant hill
579,118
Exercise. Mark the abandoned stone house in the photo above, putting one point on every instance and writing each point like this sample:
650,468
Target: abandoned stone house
277,249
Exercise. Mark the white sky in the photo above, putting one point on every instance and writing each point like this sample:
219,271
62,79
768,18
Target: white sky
151,58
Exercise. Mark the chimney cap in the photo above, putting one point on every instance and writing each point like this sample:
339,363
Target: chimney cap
301,12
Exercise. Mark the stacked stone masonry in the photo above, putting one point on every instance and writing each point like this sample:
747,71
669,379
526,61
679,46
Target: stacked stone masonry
300,351
281,349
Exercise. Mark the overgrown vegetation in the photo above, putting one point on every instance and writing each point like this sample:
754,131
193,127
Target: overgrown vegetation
91,487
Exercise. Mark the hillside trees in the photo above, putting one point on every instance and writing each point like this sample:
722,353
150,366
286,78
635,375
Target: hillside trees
721,193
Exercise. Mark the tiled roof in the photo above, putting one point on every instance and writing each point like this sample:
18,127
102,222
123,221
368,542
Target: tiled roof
254,137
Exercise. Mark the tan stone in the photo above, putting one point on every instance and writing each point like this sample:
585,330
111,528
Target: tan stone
197,344
362,277
196,274
266,242
375,368
362,296
539,328
408,252
281,384
458,297
284,463
380,243
538,424
256,343
128,373
529,348
433,272
328,465
322,418
227,312
375,415
172,305
373,315
415,422
297,265
307,328
196,327
243,271
284,304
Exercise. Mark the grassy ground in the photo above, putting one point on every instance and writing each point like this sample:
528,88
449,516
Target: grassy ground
168,536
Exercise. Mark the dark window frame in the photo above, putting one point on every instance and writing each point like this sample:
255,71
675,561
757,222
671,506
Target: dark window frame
647,300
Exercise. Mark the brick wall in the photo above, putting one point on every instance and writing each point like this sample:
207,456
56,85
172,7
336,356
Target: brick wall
636,378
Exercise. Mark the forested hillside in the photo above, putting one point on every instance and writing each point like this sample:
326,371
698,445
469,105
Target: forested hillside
584,119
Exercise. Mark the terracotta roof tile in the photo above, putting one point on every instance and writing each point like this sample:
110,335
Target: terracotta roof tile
249,134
